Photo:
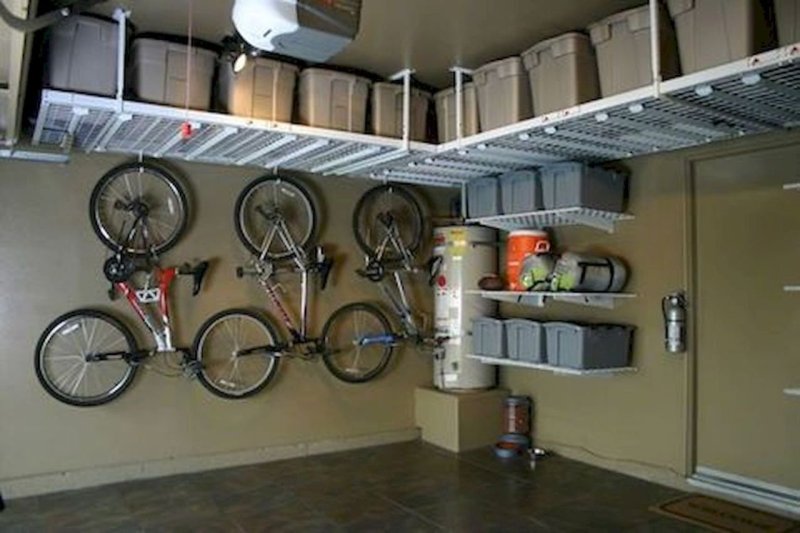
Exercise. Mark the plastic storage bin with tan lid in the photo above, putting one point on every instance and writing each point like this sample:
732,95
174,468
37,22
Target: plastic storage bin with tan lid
562,73
622,43
504,94
81,55
331,99
715,32
157,70
5,57
787,14
446,112
264,89
387,111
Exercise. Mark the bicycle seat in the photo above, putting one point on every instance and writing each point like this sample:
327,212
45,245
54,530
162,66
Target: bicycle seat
198,273
324,269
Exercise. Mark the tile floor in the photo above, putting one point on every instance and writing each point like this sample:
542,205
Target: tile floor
397,488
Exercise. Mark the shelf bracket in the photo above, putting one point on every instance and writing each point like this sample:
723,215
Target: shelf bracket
593,222
215,140
271,147
358,155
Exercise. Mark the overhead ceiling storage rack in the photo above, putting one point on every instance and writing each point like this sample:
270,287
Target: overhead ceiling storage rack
752,96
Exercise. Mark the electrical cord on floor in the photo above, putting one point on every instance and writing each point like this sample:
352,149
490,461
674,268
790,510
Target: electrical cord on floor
614,459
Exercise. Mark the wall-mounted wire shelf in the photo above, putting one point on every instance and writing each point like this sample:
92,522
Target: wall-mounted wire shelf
570,216
756,95
605,300
554,369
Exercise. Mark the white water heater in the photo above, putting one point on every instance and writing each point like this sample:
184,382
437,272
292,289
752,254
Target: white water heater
468,253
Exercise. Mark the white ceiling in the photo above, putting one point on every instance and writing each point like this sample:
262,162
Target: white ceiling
427,35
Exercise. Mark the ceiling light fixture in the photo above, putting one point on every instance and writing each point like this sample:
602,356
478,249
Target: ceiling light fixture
240,63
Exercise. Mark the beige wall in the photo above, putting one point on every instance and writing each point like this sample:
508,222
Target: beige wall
636,423
50,263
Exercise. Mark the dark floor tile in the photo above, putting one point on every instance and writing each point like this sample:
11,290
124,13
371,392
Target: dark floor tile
666,525
475,516
290,517
396,521
21,524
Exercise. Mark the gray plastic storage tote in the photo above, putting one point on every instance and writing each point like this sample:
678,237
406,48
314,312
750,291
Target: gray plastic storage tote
263,90
525,341
483,198
581,185
81,55
588,347
521,192
488,338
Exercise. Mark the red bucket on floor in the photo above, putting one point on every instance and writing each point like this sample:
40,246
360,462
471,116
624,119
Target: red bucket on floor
521,244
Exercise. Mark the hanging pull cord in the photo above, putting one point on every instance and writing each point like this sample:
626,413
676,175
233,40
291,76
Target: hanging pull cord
48,19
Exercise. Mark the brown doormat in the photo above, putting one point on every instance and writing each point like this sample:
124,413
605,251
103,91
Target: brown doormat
719,515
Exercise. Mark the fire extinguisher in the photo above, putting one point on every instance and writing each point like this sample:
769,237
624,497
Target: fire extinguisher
674,309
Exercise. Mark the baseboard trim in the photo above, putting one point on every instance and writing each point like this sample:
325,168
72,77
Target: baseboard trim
653,473
764,495
91,477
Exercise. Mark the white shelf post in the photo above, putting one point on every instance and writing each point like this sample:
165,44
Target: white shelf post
405,75
459,75
655,46
121,16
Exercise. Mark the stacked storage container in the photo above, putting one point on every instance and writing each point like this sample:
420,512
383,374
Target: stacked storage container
387,111
81,55
504,95
787,13
525,341
714,32
488,338
264,89
446,112
562,72
622,42
588,347
335,100
484,198
521,192
580,185
158,70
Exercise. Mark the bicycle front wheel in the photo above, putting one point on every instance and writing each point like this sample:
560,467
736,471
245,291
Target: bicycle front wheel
138,208
356,340
268,208
233,349
80,358
381,211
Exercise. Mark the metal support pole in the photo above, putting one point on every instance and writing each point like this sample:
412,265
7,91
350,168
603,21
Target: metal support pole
405,75
121,16
459,72
655,45
304,304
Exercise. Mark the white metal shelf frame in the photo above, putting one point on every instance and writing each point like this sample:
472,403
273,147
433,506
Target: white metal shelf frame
605,300
755,95
569,216
554,369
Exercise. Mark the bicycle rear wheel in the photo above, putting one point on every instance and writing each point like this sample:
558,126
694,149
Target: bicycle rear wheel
345,354
265,205
387,203
64,364
138,208
226,369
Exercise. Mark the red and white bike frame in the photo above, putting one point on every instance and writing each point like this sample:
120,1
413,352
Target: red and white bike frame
152,305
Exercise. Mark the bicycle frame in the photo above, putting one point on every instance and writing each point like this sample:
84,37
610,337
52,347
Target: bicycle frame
158,323
265,270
